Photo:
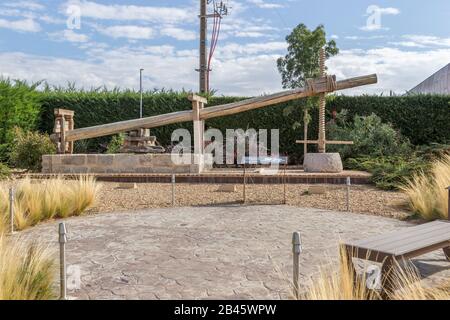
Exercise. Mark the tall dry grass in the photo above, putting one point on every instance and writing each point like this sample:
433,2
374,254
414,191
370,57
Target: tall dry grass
341,284
26,271
427,194
36,201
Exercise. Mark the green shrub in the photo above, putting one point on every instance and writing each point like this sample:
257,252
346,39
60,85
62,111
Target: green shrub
28,149
116,143
19,107
370,135
5,172
388,173
423,119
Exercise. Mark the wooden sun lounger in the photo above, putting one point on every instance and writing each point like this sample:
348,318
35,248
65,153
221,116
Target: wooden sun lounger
404,244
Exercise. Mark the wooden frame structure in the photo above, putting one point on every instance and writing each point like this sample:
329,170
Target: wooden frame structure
322,141
199,113
63,124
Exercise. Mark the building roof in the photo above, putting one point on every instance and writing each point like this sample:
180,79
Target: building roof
438,83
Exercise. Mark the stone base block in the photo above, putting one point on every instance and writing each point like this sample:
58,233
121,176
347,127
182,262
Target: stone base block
124,163
323,162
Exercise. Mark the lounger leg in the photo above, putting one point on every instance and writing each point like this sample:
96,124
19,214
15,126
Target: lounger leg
386,281
447,253
349,255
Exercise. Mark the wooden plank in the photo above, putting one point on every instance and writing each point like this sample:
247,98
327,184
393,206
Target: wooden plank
375,240
320,86
194,97
326,142
410,241
401,237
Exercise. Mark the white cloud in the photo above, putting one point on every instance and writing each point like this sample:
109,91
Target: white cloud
29,5
95,10
426,40
178,33
68,35
129,32
265,5
23,25
397,69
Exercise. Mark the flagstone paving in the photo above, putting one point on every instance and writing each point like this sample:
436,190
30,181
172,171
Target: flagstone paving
222,252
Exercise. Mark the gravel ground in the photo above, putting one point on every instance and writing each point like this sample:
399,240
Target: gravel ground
363,199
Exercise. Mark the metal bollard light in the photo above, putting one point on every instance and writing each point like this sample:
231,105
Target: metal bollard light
11,208
349,183
62,260
173,190
296,250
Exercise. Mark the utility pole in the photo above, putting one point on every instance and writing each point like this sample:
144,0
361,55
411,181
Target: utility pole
140,85
203,50
220,9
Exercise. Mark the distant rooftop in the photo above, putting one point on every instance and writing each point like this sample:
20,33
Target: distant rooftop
438,83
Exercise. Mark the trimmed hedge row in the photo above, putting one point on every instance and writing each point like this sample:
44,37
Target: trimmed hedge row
423,118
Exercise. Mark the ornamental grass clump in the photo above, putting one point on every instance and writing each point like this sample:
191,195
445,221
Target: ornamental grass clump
427,193
27,270
36,201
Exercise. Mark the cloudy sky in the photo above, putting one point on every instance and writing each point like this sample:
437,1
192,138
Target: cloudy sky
99,42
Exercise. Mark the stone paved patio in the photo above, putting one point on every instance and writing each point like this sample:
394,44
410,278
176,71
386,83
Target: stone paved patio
225,252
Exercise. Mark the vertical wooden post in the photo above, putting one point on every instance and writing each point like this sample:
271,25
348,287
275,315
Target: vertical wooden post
198,104
63,122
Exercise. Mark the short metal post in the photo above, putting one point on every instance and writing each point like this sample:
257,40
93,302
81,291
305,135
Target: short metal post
284,184
296,250
62,260
11,208
349,182
173,190
244,195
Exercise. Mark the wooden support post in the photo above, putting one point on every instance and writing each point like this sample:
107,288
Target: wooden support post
64,123
387,285
198,104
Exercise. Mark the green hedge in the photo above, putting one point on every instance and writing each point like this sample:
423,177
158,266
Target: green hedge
423,119
19,107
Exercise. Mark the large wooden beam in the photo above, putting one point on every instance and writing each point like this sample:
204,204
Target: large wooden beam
316,87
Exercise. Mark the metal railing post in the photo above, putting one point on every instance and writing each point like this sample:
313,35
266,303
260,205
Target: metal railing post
349,183
62,260
296,250
173,190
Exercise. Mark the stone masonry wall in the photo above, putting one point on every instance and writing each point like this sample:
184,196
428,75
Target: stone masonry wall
119,163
